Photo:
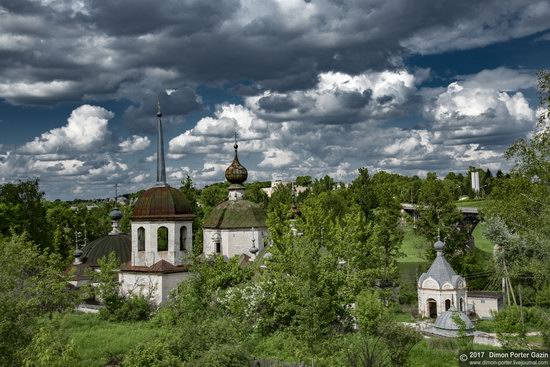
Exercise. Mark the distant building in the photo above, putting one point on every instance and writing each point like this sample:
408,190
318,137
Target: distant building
274,184
475,181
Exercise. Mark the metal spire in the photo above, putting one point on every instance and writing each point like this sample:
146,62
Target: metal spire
161,167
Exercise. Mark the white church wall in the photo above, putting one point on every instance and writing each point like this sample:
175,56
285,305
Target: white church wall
233,241
157,286
151,255
430,290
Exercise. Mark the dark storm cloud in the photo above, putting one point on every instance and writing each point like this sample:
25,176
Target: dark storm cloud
141,118
276,103
97,46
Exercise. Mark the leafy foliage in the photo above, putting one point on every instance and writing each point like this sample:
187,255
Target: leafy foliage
32,286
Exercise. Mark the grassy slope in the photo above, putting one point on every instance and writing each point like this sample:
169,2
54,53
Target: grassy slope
97,340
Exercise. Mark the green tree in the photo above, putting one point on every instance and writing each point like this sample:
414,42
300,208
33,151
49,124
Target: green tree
48,350
32,286
22,209
305,181
520,204
438,217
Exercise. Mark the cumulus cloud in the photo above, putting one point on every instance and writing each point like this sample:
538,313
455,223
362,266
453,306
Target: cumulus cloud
340,98
86,130
135,143
483,108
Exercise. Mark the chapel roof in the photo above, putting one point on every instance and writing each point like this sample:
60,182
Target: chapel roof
236,214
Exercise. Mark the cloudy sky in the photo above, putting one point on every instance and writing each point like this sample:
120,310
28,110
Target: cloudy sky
311,86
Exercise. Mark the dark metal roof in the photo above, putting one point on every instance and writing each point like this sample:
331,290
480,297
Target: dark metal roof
120,244
162,202
160,267
236,214
445,320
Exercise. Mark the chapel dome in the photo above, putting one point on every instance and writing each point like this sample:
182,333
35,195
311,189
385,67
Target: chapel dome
236,173
446,320
162,202
236,214
120,244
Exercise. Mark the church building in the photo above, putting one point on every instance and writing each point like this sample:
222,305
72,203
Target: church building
236,226
161,233
440,288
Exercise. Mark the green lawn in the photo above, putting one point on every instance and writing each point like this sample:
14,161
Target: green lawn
482,242
413,246
97,341
480,204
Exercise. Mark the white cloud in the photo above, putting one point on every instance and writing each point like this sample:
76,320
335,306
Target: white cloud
135,143
31,90
475,109
86,131
340,98
277,158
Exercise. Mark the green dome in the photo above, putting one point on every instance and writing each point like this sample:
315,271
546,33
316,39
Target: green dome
120,244
235,214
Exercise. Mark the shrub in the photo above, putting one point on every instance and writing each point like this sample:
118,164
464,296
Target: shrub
227,355
153,354
48,349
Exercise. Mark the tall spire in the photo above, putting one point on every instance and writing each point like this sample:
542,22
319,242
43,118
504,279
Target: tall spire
161,167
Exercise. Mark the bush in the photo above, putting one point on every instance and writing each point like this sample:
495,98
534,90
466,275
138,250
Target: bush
153,354
227,355
49,349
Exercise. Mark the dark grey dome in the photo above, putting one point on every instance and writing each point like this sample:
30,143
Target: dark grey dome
439,245
120,244
115,214
445,320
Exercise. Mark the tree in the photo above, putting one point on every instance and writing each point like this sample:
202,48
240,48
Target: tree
520,205
22,209
363,192
255,193
438,217
304,181
32,286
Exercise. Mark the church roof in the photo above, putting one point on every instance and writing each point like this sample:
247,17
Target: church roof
236,173
441,271
120,244
160,267
162,202
236,214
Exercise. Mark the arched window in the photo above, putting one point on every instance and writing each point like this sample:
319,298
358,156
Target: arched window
141,239
183,238
162,239
447,304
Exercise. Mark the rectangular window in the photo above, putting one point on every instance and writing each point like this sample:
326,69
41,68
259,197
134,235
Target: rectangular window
218,248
